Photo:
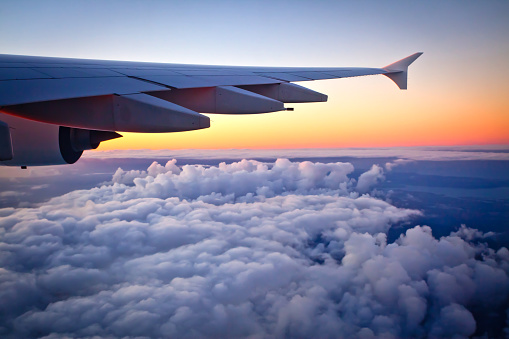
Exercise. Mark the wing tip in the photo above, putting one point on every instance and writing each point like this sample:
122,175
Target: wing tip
402,65
398,71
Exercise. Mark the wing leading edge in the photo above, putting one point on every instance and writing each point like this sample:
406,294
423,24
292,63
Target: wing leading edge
27,79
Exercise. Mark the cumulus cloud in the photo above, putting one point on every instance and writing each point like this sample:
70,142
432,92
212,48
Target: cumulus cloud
241,250
244,180
370,178
389,166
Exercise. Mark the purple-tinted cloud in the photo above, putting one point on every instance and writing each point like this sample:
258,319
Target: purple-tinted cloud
370,178
241,250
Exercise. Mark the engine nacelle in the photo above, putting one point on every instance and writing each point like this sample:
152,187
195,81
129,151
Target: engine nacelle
25,142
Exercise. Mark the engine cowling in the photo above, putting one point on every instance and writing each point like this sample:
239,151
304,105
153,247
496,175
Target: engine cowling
25,142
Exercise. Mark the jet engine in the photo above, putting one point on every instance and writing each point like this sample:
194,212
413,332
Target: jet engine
25,142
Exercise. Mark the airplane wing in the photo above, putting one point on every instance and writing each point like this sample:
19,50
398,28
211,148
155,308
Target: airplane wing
101,97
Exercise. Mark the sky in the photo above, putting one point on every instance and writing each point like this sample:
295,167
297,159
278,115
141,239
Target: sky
457,88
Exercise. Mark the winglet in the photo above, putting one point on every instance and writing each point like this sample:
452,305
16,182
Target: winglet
398,71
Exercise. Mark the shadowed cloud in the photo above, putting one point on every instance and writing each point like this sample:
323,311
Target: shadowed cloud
248,249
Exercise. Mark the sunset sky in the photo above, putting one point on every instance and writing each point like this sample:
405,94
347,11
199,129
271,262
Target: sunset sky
457,89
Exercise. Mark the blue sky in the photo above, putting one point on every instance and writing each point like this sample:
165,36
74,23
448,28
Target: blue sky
256,32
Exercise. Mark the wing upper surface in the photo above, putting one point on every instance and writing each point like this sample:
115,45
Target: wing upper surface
26,79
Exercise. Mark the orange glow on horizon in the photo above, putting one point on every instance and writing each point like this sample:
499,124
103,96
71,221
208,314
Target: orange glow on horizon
361,112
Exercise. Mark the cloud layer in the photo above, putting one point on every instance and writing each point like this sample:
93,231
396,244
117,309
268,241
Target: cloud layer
438,153
241,250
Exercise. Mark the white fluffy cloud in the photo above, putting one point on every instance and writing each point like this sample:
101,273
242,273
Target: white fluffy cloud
389,166
370,178
240,250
